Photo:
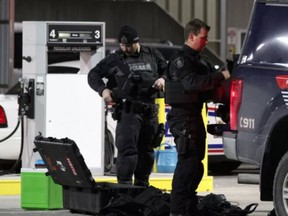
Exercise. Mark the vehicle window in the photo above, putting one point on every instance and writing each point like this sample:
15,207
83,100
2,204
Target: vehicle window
214,58
15,90
111,49
56,57
267,45
62,70
168,52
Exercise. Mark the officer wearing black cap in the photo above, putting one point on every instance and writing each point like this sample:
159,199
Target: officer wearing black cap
134,76
128,35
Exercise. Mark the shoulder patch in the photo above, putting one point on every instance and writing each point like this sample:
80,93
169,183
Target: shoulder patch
179,63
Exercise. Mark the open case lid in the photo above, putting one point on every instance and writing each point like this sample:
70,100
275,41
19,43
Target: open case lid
64,162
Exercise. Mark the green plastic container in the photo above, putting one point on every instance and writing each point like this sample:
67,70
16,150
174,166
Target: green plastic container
38,191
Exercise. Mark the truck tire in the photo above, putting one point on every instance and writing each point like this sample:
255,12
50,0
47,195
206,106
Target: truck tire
280,187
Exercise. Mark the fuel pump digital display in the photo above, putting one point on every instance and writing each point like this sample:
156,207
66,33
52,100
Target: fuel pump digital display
74,37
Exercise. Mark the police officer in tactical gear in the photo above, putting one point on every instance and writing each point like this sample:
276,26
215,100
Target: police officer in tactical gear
191,81
135,75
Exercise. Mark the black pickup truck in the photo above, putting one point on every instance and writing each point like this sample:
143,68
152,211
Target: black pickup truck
258,131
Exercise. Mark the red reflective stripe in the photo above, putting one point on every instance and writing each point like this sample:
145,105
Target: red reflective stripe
282,81
212,108
215,150
235,102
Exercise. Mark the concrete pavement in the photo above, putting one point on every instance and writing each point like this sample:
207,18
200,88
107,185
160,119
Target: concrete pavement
242,194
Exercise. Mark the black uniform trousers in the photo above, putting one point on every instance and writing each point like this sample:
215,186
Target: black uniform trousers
134,135
189,169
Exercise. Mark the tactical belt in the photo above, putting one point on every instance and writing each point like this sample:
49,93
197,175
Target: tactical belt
140,107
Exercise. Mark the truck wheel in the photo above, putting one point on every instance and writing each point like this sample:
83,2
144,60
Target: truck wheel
280,187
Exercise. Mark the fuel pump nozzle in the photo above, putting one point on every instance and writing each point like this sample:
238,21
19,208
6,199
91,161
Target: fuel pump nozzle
26,98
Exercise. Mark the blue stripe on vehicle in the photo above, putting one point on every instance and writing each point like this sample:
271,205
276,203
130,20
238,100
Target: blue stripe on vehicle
211,114
213,146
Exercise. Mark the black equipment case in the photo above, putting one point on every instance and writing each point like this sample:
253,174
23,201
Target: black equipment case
66,166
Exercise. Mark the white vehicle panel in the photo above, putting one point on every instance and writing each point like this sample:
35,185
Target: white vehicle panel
10,148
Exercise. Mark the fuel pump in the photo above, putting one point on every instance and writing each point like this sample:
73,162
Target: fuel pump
62,104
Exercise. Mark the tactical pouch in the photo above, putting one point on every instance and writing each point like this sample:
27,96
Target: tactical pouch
131,86
149,110
176,94
182,144
116,111
158,136
183,139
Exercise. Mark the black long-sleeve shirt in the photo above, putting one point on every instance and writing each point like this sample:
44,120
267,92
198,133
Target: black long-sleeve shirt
113,71
196,75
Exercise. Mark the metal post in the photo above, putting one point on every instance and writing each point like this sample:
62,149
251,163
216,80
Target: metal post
7,42
223,29
11,42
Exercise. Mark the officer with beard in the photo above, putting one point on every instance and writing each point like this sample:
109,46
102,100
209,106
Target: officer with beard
134,76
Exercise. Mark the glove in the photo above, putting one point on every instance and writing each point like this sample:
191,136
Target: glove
226,74
159,84
106,95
